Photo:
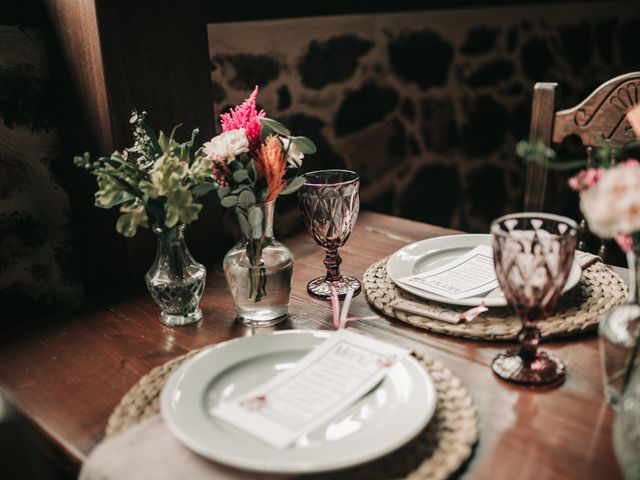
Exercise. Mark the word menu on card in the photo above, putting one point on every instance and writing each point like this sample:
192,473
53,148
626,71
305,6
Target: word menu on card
324,382
471,275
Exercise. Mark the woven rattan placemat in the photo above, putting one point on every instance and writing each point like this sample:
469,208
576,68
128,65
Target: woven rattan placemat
438,451
578,310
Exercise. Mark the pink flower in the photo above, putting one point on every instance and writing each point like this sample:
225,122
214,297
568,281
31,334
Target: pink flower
585,179
632,162
612,205
245,116
625,242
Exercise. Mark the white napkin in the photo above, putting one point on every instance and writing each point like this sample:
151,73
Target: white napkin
586,259
149,450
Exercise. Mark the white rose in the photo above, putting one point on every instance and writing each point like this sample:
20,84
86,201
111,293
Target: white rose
294,155
612,206
227,146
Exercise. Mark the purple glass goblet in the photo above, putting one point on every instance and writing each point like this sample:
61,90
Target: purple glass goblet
329,201
532,254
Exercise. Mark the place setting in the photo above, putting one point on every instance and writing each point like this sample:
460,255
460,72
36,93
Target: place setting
414,420
325,404
436,284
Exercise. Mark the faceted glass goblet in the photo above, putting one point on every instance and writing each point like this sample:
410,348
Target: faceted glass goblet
329,201
532,254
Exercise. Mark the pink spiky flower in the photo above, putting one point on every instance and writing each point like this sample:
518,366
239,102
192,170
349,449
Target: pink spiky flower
245,116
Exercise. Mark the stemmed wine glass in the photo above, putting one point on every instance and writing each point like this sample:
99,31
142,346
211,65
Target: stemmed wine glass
329,201
532,254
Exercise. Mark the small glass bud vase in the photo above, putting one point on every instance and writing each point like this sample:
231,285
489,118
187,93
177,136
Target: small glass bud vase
619,333
258,269
626,430
175,280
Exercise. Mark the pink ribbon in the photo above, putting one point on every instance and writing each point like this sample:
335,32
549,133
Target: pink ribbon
472,313
340,315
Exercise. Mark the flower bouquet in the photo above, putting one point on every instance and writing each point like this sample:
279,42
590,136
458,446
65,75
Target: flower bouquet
254,160
156,183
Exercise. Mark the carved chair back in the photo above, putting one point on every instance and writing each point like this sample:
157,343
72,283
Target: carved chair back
601,116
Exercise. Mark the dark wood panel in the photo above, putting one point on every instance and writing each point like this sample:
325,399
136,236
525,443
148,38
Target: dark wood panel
110,57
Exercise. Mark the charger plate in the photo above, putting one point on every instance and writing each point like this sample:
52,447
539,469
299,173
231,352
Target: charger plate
432,253
579,309
387,417
437,452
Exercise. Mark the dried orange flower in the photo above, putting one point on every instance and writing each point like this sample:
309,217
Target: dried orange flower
271,163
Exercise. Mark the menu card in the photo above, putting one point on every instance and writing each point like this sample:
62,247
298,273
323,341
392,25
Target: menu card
470,275
322,384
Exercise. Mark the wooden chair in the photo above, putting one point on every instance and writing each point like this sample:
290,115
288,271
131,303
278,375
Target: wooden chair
601,116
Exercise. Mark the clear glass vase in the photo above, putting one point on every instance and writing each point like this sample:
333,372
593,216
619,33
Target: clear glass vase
175,280
626,430
619,333
258,269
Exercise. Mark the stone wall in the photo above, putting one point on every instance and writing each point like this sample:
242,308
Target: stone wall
36,261
426,106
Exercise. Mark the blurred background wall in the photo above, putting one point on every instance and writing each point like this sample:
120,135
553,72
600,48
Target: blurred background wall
426,104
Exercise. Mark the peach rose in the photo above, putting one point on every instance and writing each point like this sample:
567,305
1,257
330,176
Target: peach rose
612,206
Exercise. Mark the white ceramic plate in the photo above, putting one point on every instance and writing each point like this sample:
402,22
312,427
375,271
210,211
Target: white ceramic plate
389,416
432,253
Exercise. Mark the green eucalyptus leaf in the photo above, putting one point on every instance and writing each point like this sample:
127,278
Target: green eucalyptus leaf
223,192
229,201
293,185
235,165
251,170
261,189
240,176
240,188
246,198
245,228
202,189
304,144
275,126
255,220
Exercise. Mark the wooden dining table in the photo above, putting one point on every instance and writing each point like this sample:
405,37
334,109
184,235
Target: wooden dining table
67,378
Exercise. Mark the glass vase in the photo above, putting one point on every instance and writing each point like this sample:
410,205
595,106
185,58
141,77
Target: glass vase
626,429
175,280
619,333
258,269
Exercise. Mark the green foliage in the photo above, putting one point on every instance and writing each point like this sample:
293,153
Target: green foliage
293,185
303,144
271,125
134,216
605,155
156,181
